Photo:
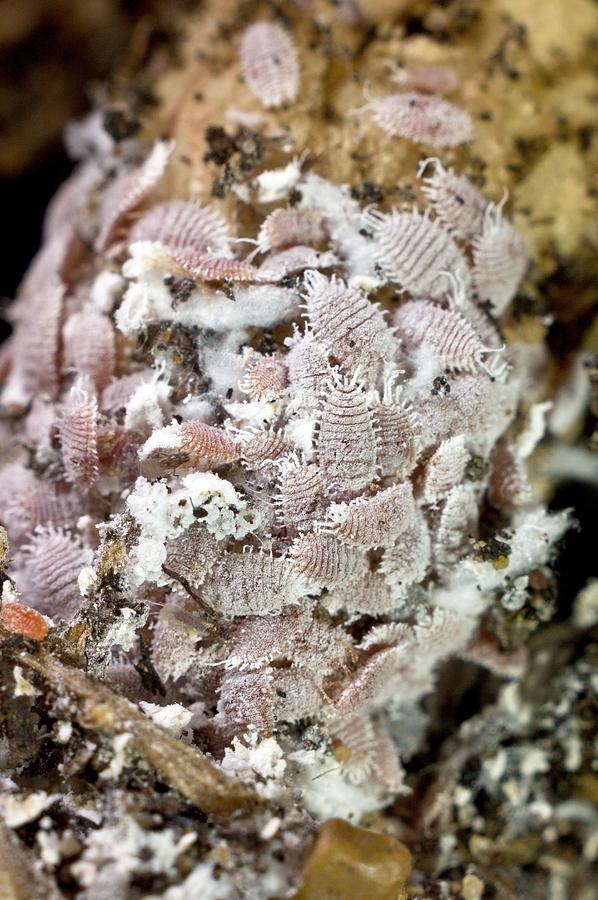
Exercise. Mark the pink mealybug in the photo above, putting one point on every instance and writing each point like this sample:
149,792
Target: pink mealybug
325,560
37,342
445,469
77,422
443,333
301,493
428,79
183,227
290,227
408,559
89,346
500,260
422,119
294,260
373,521
415,252
53,560
457,205
346,437
457,524
127,191
269,63
261,449
265,377
372,753
397,440
345,321
252,583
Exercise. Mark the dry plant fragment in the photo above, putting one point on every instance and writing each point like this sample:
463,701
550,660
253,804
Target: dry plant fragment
183,768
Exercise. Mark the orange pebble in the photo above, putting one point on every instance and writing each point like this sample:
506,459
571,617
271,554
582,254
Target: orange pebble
24,621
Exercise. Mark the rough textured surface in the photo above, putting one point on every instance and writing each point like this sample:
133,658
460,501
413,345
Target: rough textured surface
271,513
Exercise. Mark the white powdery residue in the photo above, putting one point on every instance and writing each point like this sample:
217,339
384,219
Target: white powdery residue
533,761
275,184
147,300
105,290
253,414
150,506
174,717
227,513
195,409
128,849
87,579
300,432
17,810
123,631
461,593
121,756
256,306
534,430
343,218
532,537
264,758
23,687
148,407
167,438
225,370
201,883
326,793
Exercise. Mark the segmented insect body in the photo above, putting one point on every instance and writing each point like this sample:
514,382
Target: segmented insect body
296,259
265,377
185,228
128,191
37,342
291,227
247,698
416,253
508,485
218,268
54,559
269,63
344,320
428,79
308,365
200,442
444,333
346,437
397,439
34,503
457,524
457,205
191,556
261,450
407,561
301,493
372,753
500,261
445,469
258,584
325,560
368,594
422,119
191,444
77,422
374,521
89,347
